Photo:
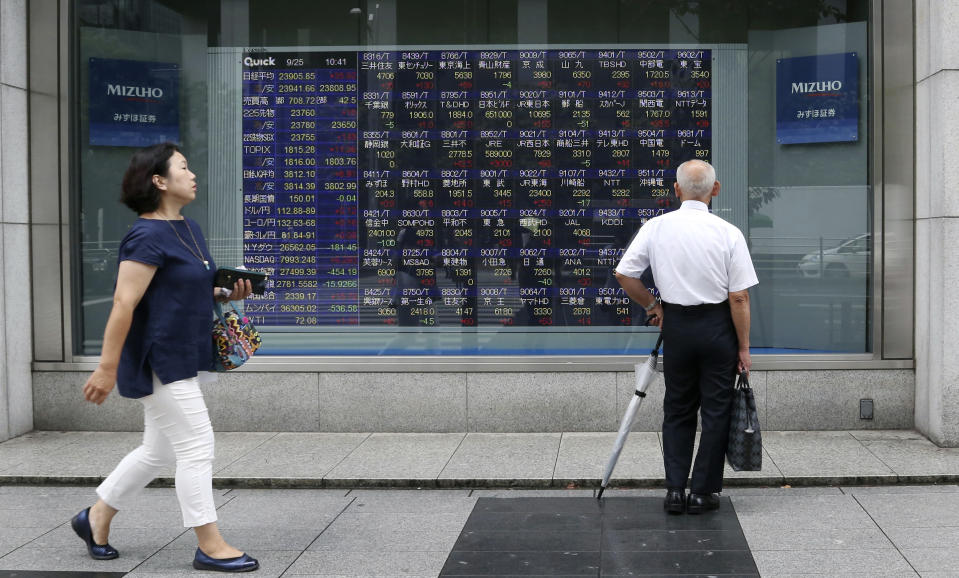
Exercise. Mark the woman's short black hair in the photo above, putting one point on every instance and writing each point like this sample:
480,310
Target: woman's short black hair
139,192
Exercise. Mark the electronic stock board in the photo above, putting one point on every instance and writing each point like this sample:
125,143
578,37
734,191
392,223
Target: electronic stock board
460,188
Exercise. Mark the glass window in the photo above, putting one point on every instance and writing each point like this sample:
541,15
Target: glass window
450,177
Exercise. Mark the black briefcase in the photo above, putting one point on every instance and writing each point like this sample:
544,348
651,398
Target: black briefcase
744,452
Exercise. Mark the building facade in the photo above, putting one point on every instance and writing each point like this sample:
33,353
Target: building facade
440,189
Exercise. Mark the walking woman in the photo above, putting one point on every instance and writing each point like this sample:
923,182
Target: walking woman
157,348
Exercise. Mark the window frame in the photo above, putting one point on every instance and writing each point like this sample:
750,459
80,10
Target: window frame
55,278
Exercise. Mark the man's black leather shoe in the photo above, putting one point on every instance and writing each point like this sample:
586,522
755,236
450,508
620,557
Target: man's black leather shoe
675,501
699,503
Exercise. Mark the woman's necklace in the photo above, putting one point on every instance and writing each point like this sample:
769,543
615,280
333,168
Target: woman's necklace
198,254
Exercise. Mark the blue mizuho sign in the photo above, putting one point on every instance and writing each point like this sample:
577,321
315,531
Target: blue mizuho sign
817,98
133,103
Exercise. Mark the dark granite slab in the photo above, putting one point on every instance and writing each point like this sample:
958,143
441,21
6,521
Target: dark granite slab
629,536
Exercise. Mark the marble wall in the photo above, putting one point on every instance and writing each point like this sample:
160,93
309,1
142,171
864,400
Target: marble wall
482,402
16,401
937,220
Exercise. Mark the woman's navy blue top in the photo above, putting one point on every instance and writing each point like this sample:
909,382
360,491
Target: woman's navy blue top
170,334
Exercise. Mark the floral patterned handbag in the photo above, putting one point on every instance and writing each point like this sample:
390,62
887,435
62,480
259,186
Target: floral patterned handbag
235,338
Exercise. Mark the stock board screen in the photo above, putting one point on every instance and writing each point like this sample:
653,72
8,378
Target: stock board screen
460,188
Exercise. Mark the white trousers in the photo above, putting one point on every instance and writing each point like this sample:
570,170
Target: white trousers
176,430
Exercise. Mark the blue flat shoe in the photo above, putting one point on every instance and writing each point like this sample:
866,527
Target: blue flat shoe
239,564
81,525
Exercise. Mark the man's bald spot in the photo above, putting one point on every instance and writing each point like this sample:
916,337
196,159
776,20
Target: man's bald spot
695,179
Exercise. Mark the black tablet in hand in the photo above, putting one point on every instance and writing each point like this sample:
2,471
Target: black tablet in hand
226,276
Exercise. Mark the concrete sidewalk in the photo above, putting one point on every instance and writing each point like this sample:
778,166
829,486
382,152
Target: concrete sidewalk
890,530
483,460
877,502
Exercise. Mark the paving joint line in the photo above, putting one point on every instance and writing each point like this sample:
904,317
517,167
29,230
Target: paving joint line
436,480
258,446
346,457
158,550
773,460
559,449
885,535
50,531
313,541
881,461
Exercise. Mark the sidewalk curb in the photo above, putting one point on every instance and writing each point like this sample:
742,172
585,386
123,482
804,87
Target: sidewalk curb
493,483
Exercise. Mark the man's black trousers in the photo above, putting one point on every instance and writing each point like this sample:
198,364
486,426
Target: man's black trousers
700,360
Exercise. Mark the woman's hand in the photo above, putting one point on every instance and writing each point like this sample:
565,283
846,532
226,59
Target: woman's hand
242,288
99,385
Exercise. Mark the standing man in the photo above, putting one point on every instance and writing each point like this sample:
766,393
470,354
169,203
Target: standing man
703,271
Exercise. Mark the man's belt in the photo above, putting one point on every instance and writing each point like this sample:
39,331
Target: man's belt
702,308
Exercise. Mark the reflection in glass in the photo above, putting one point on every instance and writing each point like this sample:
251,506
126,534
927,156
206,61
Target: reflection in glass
806,209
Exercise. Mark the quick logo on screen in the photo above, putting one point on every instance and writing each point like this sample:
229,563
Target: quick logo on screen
250,61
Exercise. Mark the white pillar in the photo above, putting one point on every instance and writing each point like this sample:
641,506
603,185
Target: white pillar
16,343
937,220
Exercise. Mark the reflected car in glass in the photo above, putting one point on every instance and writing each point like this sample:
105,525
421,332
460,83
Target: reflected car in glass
848,259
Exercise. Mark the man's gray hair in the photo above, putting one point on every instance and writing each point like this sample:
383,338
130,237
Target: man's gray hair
696,178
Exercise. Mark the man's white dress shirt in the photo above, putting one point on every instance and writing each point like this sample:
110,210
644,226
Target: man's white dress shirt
696,256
